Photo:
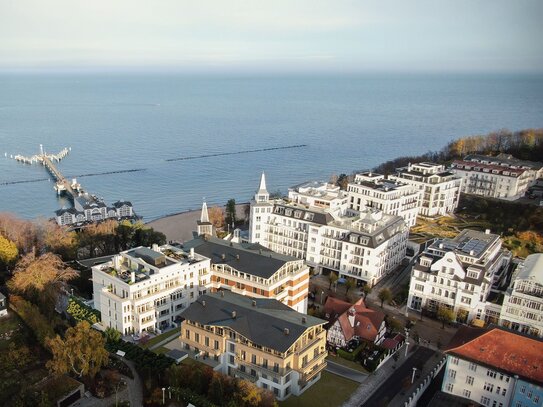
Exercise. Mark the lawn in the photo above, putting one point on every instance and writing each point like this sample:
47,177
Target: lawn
161,350
11,328
329,391
153,341
347,363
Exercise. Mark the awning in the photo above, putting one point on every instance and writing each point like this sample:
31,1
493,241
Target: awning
341,280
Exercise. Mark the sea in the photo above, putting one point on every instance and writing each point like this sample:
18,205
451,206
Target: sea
166,142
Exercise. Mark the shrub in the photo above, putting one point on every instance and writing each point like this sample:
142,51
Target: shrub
81,312
33,318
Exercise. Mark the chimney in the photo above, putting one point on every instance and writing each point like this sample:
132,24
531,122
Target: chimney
223,256
487,231
132,276
304,320
237,256
286,331
472,253
259,251
254,303
203,303
233,314
192,252
222,293
441,246
155,247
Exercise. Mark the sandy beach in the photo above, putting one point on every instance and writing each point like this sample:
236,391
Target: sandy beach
180,226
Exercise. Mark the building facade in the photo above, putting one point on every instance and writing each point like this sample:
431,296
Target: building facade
494,367
316,224
146,289
522,308
90,209
254,271
440,188
260,340
392,197
458,274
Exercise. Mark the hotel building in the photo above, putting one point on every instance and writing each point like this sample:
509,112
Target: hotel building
458,274
316,224
440,188
522,308
371,190
260,340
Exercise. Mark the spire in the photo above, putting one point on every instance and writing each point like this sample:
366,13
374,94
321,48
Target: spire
204,216
262,189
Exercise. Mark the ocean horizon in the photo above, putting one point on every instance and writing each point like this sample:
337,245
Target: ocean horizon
137,130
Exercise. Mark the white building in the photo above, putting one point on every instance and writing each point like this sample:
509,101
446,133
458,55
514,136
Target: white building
315,224
146,289
494,367
440,188
458,274
392,197
522,308
91,209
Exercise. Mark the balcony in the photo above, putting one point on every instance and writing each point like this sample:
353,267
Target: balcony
319,359
245,375
306,377
280,372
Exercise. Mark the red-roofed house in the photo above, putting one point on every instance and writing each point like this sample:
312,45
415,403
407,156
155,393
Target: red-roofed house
495,367
353,321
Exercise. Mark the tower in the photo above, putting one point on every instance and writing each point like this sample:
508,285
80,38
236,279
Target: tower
261,208
205,227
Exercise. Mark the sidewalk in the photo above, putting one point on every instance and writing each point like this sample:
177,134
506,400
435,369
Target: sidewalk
345,371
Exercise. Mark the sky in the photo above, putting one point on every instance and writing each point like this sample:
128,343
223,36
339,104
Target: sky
273,35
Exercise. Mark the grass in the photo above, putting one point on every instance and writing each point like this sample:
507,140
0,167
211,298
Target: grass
10,325
161,350
347,363
153,341
330,390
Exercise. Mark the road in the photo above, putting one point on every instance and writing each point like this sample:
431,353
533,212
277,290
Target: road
399,378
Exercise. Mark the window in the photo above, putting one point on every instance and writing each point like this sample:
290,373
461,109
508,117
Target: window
473,367
491,373
536,399
452,373
454,361
504,391
469,380
449,387
485,401
187,334
216,345
523,389
488,386
466,393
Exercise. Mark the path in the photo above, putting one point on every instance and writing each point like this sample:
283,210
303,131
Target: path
345,371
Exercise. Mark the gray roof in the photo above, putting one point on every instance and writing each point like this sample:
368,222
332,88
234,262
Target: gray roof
263,323
532,269
119,204
468,241
318,217
236,256
505,159
149,256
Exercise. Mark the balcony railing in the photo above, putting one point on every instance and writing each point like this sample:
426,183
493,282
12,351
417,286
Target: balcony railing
245,375
279,372
306,377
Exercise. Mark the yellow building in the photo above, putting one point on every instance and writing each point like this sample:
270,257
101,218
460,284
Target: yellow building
261,340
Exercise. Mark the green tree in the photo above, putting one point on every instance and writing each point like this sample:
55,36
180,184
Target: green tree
81,352
384,295
332,278
445,315
8,252
231,211
112,335
367,289
349,284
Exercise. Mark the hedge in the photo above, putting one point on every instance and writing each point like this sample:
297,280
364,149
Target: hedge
352,356
81,312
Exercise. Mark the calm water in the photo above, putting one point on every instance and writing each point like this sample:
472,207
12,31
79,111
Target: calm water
121,122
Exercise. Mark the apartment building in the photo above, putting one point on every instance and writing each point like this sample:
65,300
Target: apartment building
494,367
254,271
522,308
145,289
260,340
440,188
372,190
458,274
315,224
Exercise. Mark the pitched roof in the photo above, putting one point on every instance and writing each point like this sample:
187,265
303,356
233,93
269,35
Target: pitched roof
258,264
355,319
262,321
502,350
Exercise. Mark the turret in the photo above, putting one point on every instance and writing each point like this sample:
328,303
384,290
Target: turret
262,194
204,225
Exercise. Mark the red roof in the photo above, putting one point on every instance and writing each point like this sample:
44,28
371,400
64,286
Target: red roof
355,319
501,349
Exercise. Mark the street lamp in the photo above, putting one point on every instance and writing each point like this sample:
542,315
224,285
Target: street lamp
322,295
72,292
164,395
406,347
413,377
169,392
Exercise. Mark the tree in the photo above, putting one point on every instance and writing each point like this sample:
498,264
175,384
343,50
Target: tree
42,276
349,284
248,394
445,314
343,181
384,295
231,211
216,216
8,252
112,335
394,325
333,278
82,351
367,289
